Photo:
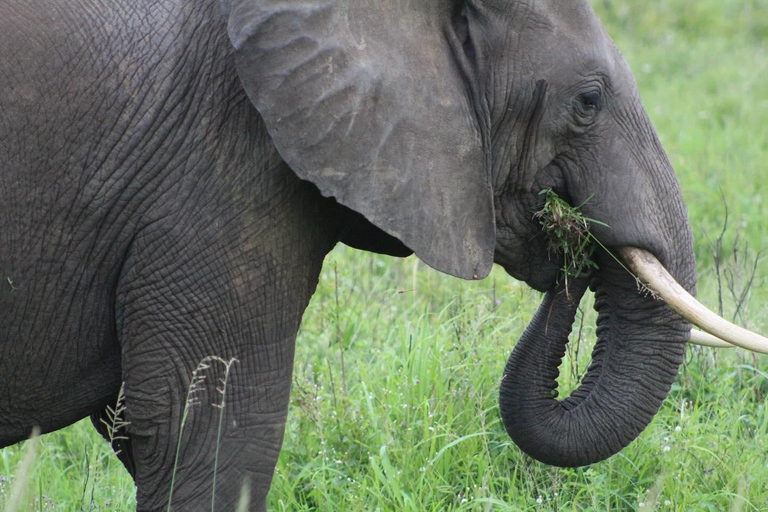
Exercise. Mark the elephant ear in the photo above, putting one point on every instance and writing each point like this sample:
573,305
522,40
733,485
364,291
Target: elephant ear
365,99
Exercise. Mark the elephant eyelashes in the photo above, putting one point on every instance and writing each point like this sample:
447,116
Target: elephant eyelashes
591,100
586,105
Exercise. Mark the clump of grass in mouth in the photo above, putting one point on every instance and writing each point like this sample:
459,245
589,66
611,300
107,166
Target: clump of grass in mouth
567,232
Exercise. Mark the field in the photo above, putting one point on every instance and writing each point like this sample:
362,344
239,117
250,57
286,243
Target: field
394,403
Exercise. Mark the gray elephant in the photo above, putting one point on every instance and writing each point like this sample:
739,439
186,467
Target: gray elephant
174,172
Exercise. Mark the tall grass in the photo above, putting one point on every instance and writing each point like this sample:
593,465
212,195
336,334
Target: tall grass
410,420
197,387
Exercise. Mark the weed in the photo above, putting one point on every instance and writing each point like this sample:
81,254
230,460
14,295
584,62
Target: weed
196,387
223,393
115,422
736,269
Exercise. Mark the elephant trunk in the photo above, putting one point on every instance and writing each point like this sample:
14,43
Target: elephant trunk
641,343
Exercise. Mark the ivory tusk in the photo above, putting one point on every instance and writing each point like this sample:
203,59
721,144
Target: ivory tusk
653,274
707,340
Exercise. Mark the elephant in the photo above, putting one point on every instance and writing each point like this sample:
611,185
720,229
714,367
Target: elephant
174,173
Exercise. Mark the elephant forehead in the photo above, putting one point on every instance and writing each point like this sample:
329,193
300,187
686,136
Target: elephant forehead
561,28
569,48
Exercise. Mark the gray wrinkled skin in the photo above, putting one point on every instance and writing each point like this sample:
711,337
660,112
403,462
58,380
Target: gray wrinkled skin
172,174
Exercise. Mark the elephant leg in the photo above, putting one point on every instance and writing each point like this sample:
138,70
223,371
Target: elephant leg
207,351
207,368
186,430
207,394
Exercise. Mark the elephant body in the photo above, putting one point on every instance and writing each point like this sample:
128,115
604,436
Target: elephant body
135,210
174,173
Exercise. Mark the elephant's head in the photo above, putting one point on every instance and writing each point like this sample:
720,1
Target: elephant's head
441,121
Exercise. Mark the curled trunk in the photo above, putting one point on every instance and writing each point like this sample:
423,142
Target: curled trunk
641,343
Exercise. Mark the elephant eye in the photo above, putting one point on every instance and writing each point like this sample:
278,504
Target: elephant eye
591,100
587,104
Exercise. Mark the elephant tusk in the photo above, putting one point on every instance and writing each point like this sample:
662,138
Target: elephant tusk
707,340
653,274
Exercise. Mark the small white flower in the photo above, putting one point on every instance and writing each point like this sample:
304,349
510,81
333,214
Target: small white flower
539,500
641,504
666,448
667,503
678,428
422,469
464,500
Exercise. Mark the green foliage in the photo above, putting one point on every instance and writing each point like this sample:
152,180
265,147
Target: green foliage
568,235
411,422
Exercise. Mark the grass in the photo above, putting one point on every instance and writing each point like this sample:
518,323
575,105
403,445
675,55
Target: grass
410,420
196,387
568,234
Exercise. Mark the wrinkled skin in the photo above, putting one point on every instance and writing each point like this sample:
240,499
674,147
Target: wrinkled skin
173,174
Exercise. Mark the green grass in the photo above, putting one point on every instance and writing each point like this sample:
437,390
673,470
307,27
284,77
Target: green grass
410,421
567,233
